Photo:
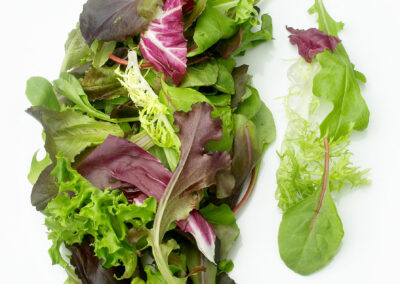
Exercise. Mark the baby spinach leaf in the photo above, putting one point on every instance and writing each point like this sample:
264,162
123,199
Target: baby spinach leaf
309,237
202,74
40,92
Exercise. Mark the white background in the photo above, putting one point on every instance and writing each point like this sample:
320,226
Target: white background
33,33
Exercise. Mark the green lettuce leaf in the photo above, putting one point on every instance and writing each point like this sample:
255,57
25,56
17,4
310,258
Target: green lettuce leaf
40,92
77,52
212,26
70,132
80,209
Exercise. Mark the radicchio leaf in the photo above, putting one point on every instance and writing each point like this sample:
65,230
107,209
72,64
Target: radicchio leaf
312,41
118,163
116,20
196,170
202,231
163,43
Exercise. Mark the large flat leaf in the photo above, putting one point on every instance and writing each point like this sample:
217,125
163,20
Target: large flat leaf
116,20
309,237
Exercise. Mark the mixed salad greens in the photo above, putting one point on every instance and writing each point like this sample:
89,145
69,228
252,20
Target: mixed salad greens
151,131
315,160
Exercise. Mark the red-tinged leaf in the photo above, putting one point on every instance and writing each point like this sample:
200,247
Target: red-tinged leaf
311,42
116,20
202,231
164,45
196,170
118,163
188,6
88,267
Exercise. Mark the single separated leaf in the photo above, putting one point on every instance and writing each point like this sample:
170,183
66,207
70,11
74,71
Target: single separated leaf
70,132
196,170
338,83
308,239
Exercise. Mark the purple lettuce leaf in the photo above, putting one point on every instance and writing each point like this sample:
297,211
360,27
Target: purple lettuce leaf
164,45
311,42
196,170
120,164
116,20
88,267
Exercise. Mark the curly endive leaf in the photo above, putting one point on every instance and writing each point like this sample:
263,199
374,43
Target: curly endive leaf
195,171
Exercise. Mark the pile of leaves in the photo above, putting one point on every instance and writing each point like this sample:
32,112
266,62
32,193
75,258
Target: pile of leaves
315,160
151,131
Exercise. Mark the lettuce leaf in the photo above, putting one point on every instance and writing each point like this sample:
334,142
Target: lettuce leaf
116,20
212,26
163,43
81,209
40,92
70,132
195,171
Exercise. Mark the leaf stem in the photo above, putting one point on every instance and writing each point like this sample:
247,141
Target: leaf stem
325,182
118,60
249,190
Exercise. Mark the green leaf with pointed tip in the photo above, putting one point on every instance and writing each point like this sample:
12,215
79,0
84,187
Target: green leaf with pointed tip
201,74
40,92
212,26
308,239
101,51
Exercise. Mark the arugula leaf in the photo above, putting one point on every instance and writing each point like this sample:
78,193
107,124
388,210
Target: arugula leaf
195,171
77,52
349,108
116,20
252,39
341,79
37,167
70,132
211,26
40,92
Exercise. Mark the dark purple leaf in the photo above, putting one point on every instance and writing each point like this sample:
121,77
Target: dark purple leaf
224,279
188,6
88,266
311,42
118,163
116,20
44,190
163,43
